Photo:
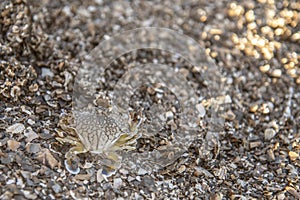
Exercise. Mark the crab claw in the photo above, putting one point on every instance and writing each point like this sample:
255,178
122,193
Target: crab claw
108,171
110,162
72,166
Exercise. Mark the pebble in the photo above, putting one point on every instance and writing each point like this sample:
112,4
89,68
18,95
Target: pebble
293,192
201,110
230,115
200,170
281,196
47,72
137,196
46,158
142,171
15,128
123,171
253,108
276,73
13,145
216,196
99,176
226,99
30,134
8,158
148,182
30,122
117,182
29,194
33,147
265,108
169,115
82,177
182,168
87,165
130,178
271,154
56,188
269,133
138,178
264,68
293,155
255,144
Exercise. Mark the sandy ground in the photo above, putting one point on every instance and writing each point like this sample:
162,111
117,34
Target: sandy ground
256,46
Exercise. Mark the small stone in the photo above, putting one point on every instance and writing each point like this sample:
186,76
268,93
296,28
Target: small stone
255,144
6,159
15,91
47,72
264,68
56,188
265,108
25,174
199,171
216,196
281,196
223,100
293,192
33,147
142,171
253,108
137,196
276,73
87,165
148,182
298,80
269,133
29,194
30,122
293,155
241,182
34,87
169,115
201,110
30,134
235,10
270,154
250,17
130,178
45,157
123,171
82,177
15,128
182,168
13,145
99,176
229,115
117,182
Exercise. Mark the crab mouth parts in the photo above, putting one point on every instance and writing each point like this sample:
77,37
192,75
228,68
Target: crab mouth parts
108,157
110,162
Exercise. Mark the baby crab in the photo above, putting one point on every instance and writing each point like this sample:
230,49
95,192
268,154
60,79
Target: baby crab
97,133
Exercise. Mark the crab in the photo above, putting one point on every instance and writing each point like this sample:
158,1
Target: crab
97,133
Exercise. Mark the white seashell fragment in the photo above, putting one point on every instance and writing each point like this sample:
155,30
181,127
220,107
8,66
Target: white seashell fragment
15,128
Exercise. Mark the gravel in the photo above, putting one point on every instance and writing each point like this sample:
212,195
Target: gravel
256,45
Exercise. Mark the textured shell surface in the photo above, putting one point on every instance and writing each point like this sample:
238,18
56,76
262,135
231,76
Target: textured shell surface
97,132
